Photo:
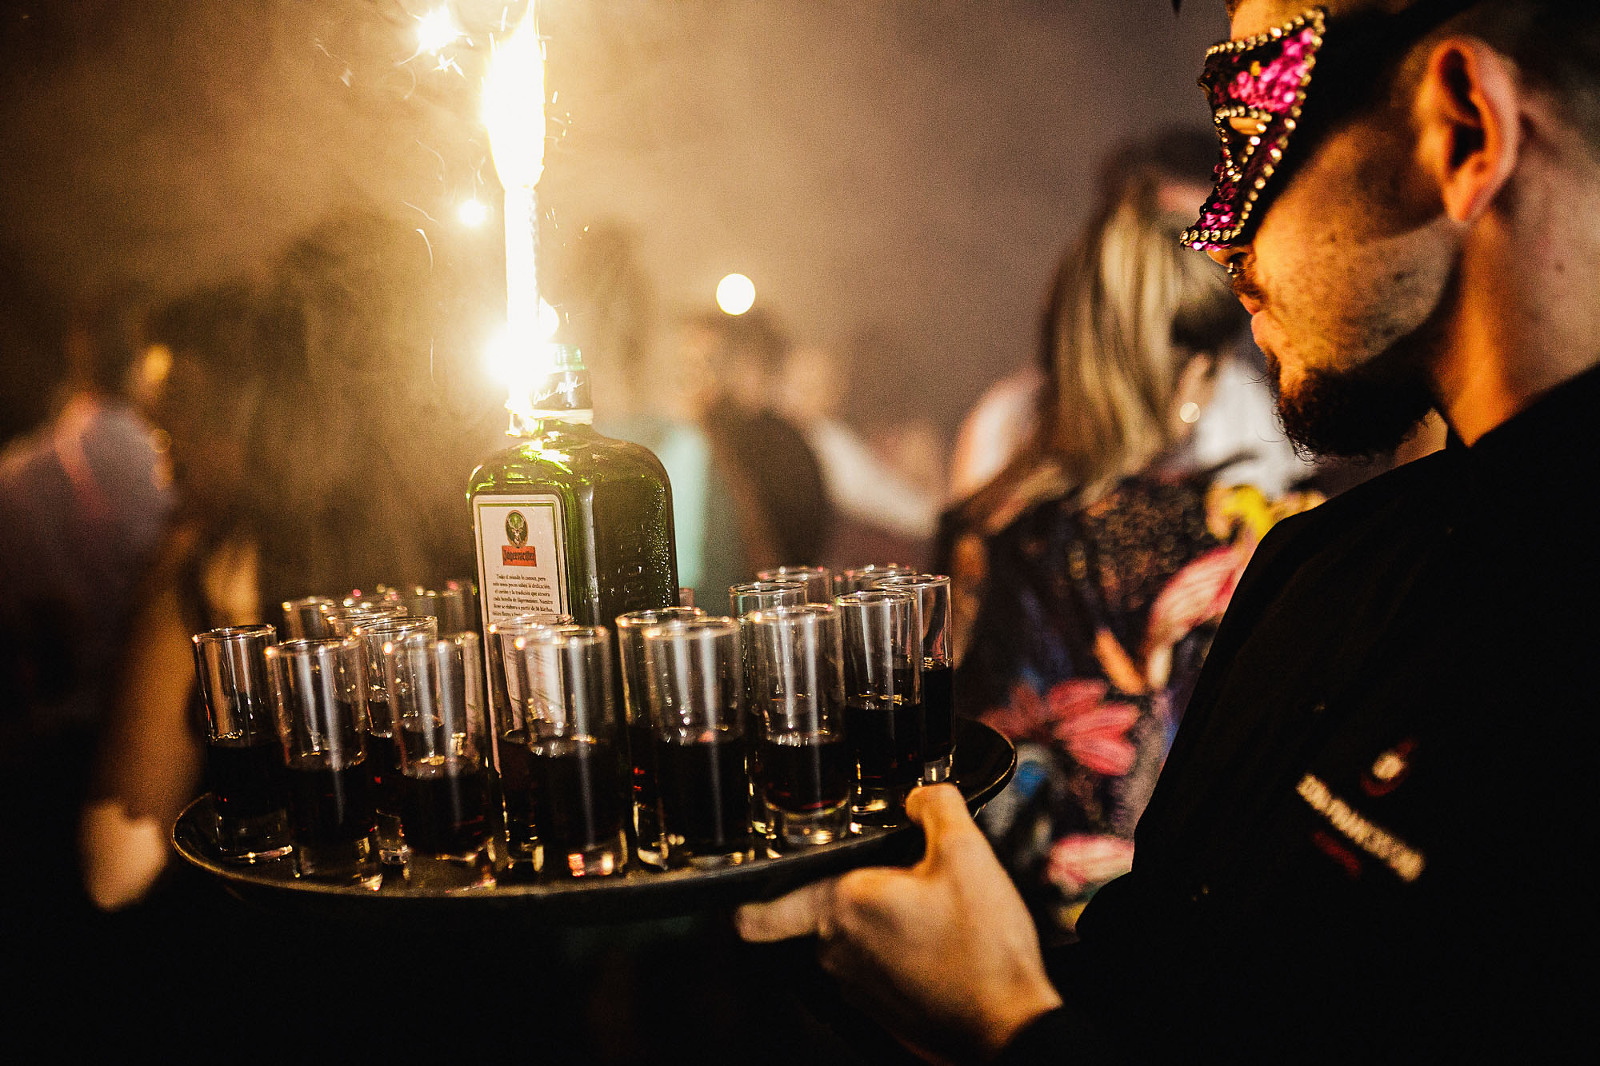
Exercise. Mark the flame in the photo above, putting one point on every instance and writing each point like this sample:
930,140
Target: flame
513,113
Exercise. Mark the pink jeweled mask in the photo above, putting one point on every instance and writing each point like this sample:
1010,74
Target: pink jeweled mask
1257,89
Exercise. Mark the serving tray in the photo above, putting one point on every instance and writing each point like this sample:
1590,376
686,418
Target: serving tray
984,762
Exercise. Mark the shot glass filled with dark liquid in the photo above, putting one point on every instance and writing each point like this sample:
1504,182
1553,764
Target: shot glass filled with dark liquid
883,700
306,618
383,746
695,685
579,796
643,774
804,774
932,592
743,598
320,699
244,759
436,695
818,580
511,760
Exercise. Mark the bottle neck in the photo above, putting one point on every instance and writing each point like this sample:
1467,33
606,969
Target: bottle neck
562,398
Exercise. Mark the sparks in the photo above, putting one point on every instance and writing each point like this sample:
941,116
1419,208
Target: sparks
437,30
513,113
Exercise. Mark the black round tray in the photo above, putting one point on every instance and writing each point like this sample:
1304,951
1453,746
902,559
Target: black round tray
984,762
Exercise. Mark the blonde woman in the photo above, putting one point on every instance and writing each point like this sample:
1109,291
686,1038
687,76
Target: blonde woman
1089,571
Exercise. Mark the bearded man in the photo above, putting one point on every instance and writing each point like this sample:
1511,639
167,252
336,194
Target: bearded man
1373,836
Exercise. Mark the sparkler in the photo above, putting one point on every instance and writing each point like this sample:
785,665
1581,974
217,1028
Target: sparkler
513,113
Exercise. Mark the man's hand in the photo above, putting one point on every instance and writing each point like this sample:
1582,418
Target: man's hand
944,953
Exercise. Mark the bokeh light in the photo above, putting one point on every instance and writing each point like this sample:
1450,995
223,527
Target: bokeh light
736,294
473,212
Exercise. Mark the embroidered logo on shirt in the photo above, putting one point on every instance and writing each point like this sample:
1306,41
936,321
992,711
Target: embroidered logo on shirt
1388,770
1382,845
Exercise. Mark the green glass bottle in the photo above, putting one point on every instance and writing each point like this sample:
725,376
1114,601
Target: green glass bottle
568,521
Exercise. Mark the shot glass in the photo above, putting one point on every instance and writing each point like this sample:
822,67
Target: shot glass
460,591
319,690
436,694
244,759
448,605
818,580
693,673
805,776
648,844
742,599
306,617
579,796
938,670
883,700
758,595
511,757
383,744
859,578
342,618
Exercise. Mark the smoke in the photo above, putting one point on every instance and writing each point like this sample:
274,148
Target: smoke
909,169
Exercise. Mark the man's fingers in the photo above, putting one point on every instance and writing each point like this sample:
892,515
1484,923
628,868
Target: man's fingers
945,821
803,912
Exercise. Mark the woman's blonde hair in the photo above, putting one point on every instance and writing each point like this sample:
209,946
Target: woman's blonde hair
1127,311
1129,308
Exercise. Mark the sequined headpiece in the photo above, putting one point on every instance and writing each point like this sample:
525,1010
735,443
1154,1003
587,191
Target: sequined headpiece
1257,90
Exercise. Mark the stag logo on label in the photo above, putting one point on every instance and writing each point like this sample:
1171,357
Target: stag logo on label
516,529
517,553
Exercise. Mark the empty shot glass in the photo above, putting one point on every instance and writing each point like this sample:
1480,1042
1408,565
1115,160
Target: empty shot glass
319,690
693,673
244,758
883,700
436,693
579,796
383,744
648,843
938,670
818,580
798,685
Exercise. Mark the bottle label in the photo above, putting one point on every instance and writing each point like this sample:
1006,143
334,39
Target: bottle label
522,561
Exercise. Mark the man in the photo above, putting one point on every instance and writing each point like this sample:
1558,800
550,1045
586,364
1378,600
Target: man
1373,835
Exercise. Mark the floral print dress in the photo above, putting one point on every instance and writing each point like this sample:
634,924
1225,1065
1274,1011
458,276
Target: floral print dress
1091,624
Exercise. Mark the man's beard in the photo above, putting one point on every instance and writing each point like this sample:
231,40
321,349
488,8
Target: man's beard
1362,413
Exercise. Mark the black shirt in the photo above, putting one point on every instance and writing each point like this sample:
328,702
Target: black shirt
1375,832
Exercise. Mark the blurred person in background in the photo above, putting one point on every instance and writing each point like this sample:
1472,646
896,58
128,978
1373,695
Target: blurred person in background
784,513
608,304
83,499
308,458
884,511
1090,573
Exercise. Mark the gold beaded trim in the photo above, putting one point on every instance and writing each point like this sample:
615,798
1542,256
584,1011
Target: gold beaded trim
1233,169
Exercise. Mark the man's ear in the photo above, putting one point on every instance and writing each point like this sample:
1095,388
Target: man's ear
1468,112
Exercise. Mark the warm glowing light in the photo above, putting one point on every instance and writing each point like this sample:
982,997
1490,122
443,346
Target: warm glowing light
513,106
519,363
513,113
438,30
736,294
473,212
